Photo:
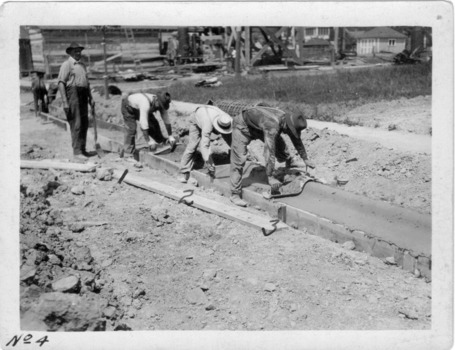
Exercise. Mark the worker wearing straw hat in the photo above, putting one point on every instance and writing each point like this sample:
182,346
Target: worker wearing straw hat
203,121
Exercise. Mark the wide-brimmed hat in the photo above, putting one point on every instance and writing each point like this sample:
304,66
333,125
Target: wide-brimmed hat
74,45
296,123
223,123
164,100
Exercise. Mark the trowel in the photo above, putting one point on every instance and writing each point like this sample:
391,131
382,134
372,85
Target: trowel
307,178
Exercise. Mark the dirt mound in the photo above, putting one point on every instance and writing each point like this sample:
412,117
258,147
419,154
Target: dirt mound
61,283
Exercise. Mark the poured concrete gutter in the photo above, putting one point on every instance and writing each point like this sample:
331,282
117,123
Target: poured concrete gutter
376,227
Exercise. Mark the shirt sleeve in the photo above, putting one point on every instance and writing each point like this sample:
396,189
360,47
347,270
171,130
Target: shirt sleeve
298,144
270,128
206,130
144,107
64,73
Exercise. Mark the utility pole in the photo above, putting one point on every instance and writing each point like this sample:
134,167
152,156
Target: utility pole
237,51
106,87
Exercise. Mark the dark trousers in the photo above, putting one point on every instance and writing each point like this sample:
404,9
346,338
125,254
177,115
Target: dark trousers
78,117
242,135
130,118
39,99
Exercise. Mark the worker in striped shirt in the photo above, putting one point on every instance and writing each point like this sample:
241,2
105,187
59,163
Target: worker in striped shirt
265,124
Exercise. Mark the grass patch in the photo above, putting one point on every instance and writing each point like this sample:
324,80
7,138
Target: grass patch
363,85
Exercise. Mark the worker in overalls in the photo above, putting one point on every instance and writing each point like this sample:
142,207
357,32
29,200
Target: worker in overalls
265,124
156,127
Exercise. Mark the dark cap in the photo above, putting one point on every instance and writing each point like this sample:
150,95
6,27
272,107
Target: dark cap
164,99
296,123
73,45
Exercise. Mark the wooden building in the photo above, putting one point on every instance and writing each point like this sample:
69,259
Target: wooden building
124,46
381,39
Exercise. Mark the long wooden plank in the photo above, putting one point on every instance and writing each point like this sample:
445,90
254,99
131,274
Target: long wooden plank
50,164
229,212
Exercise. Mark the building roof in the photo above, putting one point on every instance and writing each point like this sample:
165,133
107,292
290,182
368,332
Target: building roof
355,33
316,42
382,32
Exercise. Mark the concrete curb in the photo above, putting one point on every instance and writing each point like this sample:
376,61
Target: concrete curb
294,217
300,219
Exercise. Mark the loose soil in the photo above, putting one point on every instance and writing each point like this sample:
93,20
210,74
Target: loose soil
97,255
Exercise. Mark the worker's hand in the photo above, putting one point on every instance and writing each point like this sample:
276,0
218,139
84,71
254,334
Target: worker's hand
274,184
309,164
152,145
172,142
66,108
210,168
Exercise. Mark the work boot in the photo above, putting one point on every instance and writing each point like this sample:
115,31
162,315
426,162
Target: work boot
235,198
184,178
295,163
80,157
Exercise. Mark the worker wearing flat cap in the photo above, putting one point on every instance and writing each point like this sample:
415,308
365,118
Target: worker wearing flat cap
156,128
74,88
265,124
204,121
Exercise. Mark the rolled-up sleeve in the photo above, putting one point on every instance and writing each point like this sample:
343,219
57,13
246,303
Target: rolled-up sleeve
64,73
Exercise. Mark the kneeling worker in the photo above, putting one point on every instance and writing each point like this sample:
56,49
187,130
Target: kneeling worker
203,121
141,107
265,124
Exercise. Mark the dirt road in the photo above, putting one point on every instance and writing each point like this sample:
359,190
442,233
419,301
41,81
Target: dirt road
137,260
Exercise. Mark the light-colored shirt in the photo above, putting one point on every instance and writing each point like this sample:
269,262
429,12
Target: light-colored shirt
140,102
73,73
204,117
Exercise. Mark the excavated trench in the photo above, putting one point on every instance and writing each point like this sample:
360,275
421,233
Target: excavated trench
376,227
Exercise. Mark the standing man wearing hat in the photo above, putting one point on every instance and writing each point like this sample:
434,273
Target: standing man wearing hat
142,107
266,124
74,88
203,121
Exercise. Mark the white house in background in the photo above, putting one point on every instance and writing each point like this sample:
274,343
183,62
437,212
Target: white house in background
316,32
380,39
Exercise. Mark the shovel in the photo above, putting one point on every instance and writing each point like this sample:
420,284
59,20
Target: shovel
98,148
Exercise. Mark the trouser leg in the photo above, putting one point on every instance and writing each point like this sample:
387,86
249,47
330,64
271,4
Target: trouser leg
187,162
129,143
240,140
78,117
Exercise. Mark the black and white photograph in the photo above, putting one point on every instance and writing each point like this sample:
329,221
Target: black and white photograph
227,175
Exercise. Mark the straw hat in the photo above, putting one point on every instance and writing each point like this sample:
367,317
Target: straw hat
223,123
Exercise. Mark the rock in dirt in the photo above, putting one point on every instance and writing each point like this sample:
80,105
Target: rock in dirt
409,313
77,227
104,174
196,296
209,274
54,259
27,274
67,284
269,287
109,312
65,312
390,260
349,245
77,190
210,307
